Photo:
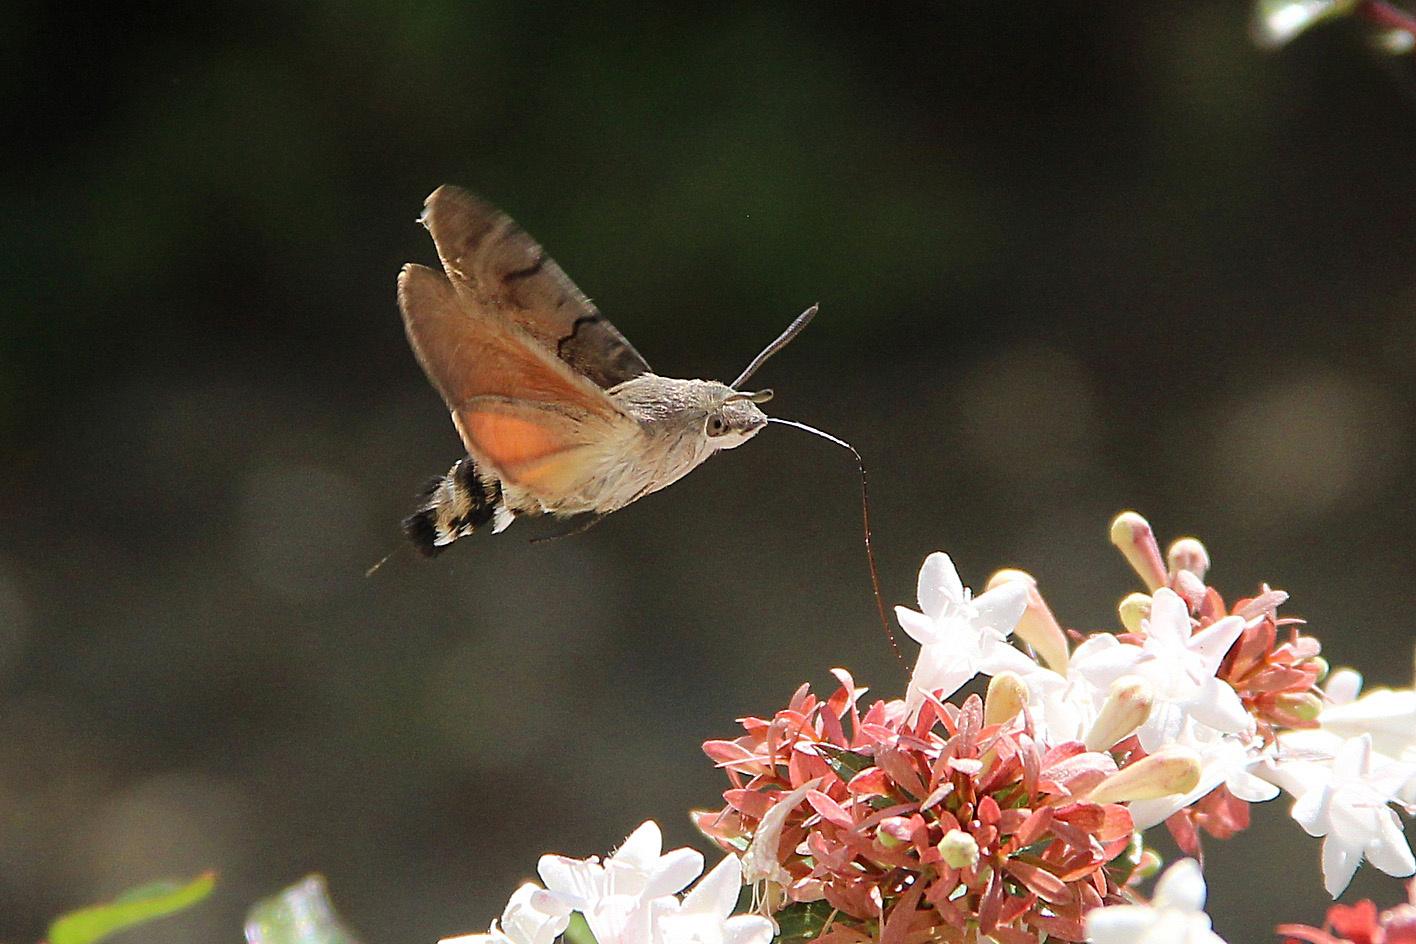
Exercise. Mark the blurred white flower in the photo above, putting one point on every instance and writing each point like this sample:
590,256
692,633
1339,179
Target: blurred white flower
1388,715
620,896
1341,791
705,916
1175,915
530,917
960,636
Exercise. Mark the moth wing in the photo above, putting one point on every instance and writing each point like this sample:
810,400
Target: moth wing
519,409
536,446
468,352
495,264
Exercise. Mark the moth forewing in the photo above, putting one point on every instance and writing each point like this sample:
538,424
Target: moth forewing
495,264
469,352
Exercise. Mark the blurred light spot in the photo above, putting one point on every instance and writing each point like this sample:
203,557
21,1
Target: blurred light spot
172,826
1029,415
14,620
1298,449
301,526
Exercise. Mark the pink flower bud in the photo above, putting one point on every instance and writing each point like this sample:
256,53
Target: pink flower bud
1188,554
1132,534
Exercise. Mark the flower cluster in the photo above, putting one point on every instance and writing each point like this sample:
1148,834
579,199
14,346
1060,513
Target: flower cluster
1018,816
629,898
1015,816
939,822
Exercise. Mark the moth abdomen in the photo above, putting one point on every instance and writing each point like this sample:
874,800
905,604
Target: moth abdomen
453,506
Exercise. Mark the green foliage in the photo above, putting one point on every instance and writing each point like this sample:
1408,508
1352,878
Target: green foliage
302,914
578,932
136,906
802,921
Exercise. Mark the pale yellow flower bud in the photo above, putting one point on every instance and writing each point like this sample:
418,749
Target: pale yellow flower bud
959,849
1038,627
1007,694
1303,705
1127,707
1134,609
1170,770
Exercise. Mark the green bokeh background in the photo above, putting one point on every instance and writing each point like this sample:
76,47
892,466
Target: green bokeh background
1071,258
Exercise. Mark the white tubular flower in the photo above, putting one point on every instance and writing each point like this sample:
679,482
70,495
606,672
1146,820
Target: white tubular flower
1175,915
1344,800
621,895
1180,665
530,917
1388,715
960,636
705,916
1224,760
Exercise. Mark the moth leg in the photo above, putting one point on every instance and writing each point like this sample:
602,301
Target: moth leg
580,528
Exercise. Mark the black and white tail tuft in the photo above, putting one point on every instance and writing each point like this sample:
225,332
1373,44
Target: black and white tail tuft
453,506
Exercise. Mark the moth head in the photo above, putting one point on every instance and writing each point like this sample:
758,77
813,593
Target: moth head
735,418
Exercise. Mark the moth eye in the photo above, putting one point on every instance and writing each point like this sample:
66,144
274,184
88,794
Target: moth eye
716,425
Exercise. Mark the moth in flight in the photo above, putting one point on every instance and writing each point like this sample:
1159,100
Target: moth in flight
559,414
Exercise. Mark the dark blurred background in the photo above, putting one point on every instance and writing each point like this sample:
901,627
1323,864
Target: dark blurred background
1072,258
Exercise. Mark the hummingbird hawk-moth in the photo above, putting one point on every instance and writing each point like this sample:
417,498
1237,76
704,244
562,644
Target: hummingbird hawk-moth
558,412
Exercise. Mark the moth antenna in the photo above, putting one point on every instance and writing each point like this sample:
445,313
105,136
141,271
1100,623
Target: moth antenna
793,329
864,492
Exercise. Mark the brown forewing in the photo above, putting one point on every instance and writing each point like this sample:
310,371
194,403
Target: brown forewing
466,353
493,263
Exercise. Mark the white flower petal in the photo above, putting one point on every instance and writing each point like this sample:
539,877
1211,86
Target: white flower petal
1340,861
939,585
1182,886
921,628
1219,706
1342,686
747,929
1169,618
1389,850
1215,640
642,847
674,871
1119,924
718,892
1002,607
1174,916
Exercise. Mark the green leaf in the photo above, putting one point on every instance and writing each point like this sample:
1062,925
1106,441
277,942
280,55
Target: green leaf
1277,22
845,764
135,906
578,932
301,914
802,921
